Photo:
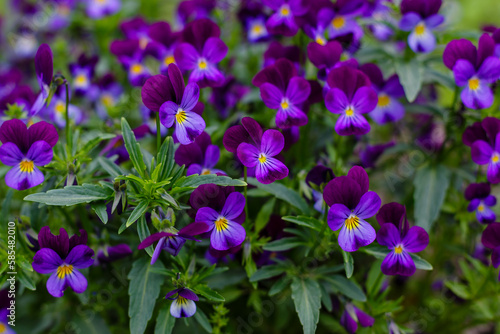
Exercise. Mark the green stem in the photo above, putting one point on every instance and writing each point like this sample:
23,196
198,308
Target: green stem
323,228
69,139
158,133
245,190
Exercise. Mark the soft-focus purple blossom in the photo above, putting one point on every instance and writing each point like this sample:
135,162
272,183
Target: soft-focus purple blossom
97,9
388,108
350,204
190,10
227,96
112,253
350,96
200,52
162,44
61,256
252,16
352,316
474,69
183,305
317,177
402,240
116,145
381,14
343,19
83,73
105,95
225,228
276,50
283,20
324,57
491,239
420,17
199,157
56,110
26,149
44,71
478,194
317,19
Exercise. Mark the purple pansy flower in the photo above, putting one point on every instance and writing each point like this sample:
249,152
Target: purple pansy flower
474,68
171,240
112,253
131,56
420,17
183,305
199,157
317,177
97,9
352,316
56,110
317,20
282,89
381,13
83,72
200,52
251,15
162,44
227,96
276,50
396,234
324,57
371,153
44,72
343,18
209,195
61,256
25,149
484,153
283,20
225,228
105,94
388,108
350,204
351,96
491,239
190,10
480,201
177,104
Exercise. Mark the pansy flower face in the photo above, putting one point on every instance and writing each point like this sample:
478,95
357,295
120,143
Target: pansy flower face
26,149
474,69
350,204
62,257
402,240
420,18
282,22
225,226
256,29
485,154
199,157
97,9
183,305
352,316
491,239
481,202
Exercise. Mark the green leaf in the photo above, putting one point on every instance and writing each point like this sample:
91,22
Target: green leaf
203,320
138,212
421,263
165,322
193,181
109,166
133,148
101,212
411,77
264,214
279,285
143,232
72,195
280,191
208,293
431,184
306,295
346,287
93,142
26,279
144,289
461,290
305,221
267,272
91,324
166,158
284,244
348,263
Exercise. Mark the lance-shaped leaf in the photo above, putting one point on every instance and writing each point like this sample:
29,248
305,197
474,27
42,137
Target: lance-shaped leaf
71,195
306,295
133,148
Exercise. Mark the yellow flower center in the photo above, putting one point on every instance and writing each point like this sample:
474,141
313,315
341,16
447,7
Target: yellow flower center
221,224
180,117
398,249
26,166
495,158
81,80
320,40
349,111
60,107
473,83
480,208
205,172
143,42
202,64
3,328
262,158
169,60
285,104
107,100
338,22
420,29
352,222
257,29
383,100
181,300
136,68
64,270
285,10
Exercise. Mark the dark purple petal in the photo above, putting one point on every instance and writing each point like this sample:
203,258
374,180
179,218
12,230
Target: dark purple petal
463,71
298,90
374,74
248,154
188,294
10,154
171,293
489,70
214,50
43,131
363,318
194,229
398,264
199,31
347,79
415,240
76,240
481,152
191,96
43,64
364,100
46,261
189,154
186,56
388,235
495,258
15,131
271,95
491,236
342,190
234,136
459,49
485,49
359,175
324,56
157,90
148,241
159,247
425,8
80,257
477,190
368,205
476,132
40,153
336,101
271,170
352,125
253,128
175,76
272,142
348,322
114,253
212,155
234,206
319,174
473,204
59,243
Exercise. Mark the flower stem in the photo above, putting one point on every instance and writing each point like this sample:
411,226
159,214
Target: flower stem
245,190
69,139
158,133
